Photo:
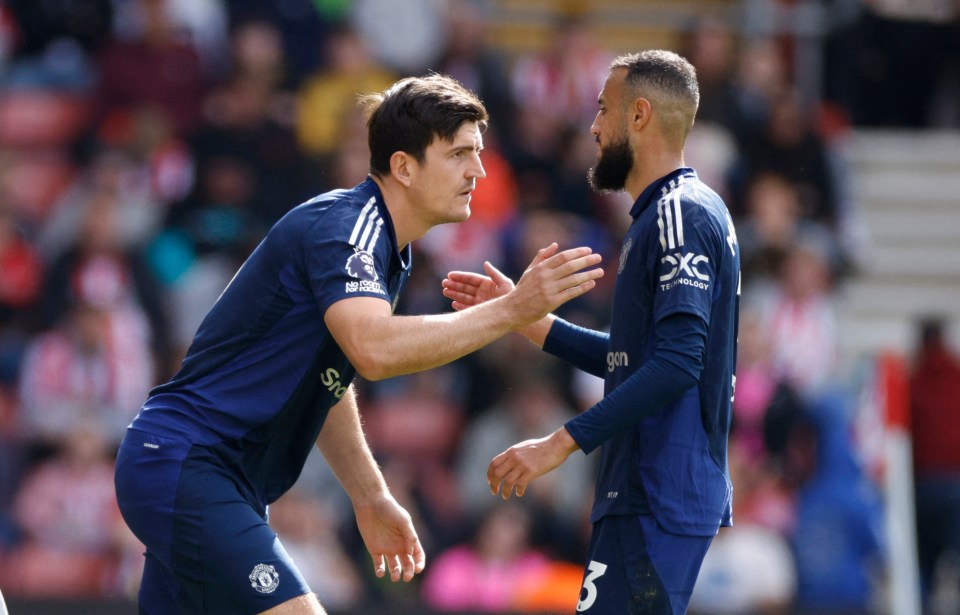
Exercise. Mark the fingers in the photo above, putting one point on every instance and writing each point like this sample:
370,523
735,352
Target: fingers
399,566
575,291
396,568
419,557
572,260
467,278
463,288
403,566
544,253
414,559
574,276
497,276
505,477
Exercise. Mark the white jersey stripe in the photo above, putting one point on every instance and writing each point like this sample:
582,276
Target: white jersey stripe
663,237
376,235
678,215
367,228
361,219
668,214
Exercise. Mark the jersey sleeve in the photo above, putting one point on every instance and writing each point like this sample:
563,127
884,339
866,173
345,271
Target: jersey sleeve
688,260
347,259
675,366
583,348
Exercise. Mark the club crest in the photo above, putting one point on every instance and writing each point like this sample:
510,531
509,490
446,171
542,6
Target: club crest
264,578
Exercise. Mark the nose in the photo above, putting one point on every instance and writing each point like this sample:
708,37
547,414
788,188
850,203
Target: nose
476,170
595,127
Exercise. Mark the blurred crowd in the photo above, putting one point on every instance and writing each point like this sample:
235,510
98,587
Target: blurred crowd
147,145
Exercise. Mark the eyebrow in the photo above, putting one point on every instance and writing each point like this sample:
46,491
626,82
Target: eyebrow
465,148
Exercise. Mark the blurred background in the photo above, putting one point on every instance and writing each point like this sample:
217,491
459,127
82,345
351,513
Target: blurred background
147,145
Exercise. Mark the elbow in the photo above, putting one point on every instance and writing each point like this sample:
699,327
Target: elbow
686,369
371,365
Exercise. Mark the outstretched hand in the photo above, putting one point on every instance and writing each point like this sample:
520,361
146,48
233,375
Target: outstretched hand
551,279
465,288
388,533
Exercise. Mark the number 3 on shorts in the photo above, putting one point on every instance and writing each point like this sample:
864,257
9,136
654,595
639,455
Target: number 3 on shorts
596,570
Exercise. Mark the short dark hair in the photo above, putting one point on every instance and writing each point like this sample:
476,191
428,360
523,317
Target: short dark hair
411,113
669,81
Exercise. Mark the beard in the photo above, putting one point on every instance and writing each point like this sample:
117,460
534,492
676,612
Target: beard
611,170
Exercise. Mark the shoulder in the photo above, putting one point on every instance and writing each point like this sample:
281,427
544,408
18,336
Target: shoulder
700,207
338,215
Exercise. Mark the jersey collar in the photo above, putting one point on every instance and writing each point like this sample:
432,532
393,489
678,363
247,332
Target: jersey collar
402,255
650,193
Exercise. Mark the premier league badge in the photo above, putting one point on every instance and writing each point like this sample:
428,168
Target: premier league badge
360,266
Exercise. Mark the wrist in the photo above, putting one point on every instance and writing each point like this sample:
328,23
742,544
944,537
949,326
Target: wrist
564,441
538,330
367,494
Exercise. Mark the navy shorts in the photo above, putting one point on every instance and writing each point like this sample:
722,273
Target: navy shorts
209,549
635,568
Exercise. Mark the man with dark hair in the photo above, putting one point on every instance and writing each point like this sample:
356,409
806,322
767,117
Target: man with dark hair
269,372
668,362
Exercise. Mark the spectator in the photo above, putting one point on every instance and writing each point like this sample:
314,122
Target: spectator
469,57
837,539
22,274
155,69
798,317
256,52
555,90
328,98
67,513
772,222
712,48
98,267
90,369
789,145
935,428
482,576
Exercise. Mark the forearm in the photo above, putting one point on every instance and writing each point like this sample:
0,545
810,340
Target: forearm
651,388
384,346
342,443
583,348
674,368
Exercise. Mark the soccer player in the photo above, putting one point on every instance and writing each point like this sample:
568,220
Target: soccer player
269,372
663,487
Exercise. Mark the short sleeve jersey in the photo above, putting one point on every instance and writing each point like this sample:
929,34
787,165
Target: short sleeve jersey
680,255
263,370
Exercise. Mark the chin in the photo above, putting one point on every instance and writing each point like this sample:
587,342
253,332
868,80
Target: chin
461,214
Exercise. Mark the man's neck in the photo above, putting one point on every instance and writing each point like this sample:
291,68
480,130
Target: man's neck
650,170
397,201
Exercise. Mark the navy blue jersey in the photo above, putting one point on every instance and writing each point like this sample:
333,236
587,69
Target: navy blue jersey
677,286
263,370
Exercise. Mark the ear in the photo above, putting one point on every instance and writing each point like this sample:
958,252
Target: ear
401,167
640,113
